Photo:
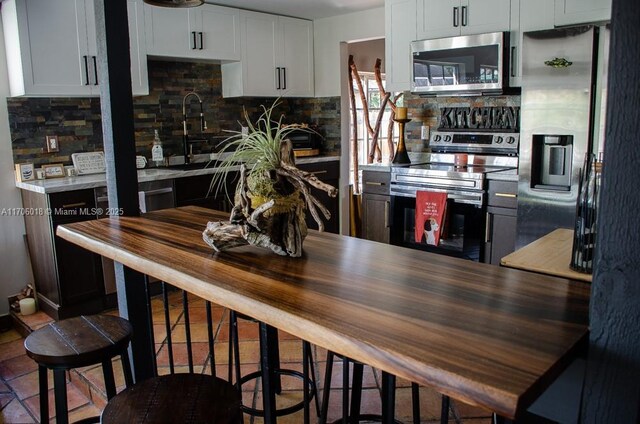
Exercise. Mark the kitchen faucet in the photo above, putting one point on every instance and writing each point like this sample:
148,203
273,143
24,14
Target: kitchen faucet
188,149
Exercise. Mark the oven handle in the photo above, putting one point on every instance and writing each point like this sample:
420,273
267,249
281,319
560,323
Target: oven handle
472,198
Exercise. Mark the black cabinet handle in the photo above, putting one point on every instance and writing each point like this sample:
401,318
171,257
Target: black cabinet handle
464,15
86,69
201,40
193,38
455,16
278,78
95,69
284,78
513,61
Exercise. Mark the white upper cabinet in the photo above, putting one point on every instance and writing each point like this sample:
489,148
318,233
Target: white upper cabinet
448,18
571,12
400,31
276,59
51,47
204,32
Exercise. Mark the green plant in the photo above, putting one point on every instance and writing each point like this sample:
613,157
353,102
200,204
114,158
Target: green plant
259,150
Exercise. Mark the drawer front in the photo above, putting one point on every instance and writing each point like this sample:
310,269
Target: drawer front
503,194
71,205
324,171
376,182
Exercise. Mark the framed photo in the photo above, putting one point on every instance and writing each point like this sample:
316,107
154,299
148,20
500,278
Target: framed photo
53,171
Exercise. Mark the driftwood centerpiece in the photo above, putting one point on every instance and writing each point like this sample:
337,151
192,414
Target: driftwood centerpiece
272,194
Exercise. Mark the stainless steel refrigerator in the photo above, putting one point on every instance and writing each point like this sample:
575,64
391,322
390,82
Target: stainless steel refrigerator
563,91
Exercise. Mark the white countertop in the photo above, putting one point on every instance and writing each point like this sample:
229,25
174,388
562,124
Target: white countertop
56,185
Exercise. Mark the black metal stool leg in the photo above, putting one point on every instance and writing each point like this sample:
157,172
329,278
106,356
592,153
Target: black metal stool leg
312,370
415,402
60,390
268,394
126,368
274,358
305,374
327,389
388,398
345,390
444,413
356,392
44,393
109,381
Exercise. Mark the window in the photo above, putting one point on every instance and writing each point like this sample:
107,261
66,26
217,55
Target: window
373,99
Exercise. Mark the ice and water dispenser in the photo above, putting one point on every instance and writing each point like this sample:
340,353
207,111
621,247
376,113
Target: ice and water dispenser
551,163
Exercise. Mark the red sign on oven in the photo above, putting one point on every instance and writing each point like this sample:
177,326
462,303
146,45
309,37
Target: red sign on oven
430,213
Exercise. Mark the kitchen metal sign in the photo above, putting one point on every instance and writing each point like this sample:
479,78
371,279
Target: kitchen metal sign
480,118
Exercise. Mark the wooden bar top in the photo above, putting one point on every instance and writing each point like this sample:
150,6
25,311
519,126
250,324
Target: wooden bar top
549,255
490,336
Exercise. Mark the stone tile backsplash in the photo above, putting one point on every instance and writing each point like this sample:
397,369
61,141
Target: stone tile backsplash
77,121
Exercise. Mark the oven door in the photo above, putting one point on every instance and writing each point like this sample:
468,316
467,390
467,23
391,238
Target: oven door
462,235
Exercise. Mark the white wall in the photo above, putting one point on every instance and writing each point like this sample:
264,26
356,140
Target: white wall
328,33
14,264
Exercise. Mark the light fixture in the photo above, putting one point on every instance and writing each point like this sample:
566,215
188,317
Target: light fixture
175,3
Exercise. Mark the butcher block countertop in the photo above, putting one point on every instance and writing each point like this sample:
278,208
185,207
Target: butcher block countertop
490,336
549,255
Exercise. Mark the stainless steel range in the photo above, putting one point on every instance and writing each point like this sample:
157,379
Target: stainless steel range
458,166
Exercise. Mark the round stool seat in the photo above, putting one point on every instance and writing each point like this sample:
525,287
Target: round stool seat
176,398
78,342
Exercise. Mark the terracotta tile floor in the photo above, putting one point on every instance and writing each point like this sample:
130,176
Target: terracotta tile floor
86,396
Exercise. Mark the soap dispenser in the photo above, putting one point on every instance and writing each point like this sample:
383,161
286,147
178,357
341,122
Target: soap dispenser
156,151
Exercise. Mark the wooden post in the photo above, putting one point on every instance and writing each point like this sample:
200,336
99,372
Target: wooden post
114,76
612,387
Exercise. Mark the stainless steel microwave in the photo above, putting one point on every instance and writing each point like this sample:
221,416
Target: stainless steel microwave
468,64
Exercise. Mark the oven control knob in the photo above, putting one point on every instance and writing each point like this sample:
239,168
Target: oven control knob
447,138
499,140
511,139
437,137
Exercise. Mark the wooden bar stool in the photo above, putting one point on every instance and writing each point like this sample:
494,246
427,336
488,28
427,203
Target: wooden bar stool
73,343
176,398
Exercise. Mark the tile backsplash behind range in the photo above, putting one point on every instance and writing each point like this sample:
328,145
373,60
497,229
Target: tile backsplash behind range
77,121
426,110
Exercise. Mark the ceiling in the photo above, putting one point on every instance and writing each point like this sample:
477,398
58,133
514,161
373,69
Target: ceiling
308,9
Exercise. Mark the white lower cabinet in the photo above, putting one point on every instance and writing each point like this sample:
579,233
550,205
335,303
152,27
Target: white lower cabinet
276,60
51,47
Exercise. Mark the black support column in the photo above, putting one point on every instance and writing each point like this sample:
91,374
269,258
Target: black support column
114,76
612,388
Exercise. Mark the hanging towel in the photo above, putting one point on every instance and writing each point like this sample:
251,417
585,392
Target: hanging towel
430,213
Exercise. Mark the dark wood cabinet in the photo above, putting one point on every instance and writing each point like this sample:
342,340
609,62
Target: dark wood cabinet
501,220
68,278
375,206
194,191
327,172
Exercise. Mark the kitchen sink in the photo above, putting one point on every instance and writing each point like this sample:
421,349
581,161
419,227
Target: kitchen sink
191,166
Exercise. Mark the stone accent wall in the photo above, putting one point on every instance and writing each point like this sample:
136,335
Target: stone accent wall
77,121
427,110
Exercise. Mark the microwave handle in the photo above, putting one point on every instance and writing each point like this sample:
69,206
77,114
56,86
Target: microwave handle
513,61
455,16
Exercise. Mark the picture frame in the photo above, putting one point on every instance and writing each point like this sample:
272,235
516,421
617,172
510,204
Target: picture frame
53,170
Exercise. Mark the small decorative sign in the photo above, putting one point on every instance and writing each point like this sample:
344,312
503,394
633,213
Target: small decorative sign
89,163
53,170
24,172
485,118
